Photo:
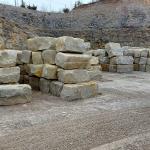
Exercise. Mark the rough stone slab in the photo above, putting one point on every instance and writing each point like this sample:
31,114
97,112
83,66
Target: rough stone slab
128,52
41,43
94,60
8,58
49,71
95,75
9,75
121,60
142,68
112,68
44,85
56,88
72,92
26,56
100,52
35,70
49,56
34,82
124,68
72,61
37,58
114,49
104,60
73,76
143,61
70,44
15,94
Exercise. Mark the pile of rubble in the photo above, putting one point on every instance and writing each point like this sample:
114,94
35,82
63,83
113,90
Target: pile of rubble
60,67
10,91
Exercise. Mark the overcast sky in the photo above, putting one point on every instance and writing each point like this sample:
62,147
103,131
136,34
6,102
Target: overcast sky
52,5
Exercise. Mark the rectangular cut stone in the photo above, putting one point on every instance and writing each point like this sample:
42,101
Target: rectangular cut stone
114,49
26,56
143,61
15,94
112,68
100,52
72,61
41,43
144,53
9,75
124,68
128,52
56,88
70,44
72,92
8,58
147,68
44,85
142,68
73,76
95,75
122,60
37,58
49,56
35,70
49,71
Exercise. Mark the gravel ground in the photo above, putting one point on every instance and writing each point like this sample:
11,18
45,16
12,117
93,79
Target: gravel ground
119,119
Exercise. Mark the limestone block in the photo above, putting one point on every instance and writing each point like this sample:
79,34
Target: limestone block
95,74
128,52
114,49
26,56
56,88
41,43
37,58
73,76
148,61
15,94
100,52
35,70
147,68
122,60
137,60
49,71
72,92
19,55
104,60
142,68
112,68
72,61
44,85
143,61
94,60
125,68
49,56
8,58
9,75
144,53
34,82
70,44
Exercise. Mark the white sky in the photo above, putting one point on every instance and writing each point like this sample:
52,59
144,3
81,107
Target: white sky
53,5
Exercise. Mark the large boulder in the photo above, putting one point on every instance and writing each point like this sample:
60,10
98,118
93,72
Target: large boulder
49,71
9,75
15,94
73,76
114,49
72,61
41,43
84,90
49,56
70,44
8,58
122,60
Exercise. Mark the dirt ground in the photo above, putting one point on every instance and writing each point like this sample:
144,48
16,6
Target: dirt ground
119,119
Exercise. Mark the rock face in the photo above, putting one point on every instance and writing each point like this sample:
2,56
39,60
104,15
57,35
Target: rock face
15,94
122,60
7,58
72,92
73,76
70,44
41,43
49,56
9,75
72,61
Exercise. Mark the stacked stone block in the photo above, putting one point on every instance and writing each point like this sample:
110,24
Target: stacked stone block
10,91
59,66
